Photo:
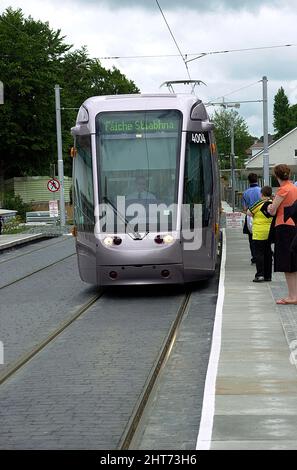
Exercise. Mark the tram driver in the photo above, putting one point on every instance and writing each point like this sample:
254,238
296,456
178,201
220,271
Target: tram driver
141,195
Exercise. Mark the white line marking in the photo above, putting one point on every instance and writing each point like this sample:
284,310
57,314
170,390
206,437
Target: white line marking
208,406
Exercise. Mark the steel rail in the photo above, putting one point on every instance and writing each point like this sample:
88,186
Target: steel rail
131,428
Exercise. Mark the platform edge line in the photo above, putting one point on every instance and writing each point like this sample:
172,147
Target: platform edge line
208,404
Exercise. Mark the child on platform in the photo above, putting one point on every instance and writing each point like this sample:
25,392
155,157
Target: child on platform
260,232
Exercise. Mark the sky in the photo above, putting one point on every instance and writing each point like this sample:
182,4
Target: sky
124,28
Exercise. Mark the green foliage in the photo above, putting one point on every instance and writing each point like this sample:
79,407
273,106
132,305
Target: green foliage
13,226
285,116
281,116
15,202
33,58
242,139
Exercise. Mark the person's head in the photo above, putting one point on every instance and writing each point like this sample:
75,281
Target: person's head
282,172
140,182
253,178
266,191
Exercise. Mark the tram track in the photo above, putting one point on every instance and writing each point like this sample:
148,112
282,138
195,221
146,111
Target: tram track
12,258
20,362
93,383
36,271
160,362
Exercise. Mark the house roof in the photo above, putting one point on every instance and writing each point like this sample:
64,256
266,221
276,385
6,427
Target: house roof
271,145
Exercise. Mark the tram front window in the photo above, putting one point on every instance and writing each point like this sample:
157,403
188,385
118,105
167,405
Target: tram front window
138,159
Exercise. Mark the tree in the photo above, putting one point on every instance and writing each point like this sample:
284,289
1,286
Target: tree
242,139
29,62
281,113
33,58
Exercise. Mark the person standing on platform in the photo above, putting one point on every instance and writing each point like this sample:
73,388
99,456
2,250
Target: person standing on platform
285,258
1,224
250,196
260,232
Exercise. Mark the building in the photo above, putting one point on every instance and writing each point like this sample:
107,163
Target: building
284,150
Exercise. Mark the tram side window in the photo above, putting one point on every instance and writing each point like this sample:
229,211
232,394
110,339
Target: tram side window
83,185
198,184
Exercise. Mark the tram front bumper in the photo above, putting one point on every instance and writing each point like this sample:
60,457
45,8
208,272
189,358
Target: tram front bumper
140,275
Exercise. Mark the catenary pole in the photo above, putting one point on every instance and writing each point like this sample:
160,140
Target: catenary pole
265,134
60,156
232,162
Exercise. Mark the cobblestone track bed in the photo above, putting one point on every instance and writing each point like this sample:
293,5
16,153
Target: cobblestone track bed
9,254
16,270
34,307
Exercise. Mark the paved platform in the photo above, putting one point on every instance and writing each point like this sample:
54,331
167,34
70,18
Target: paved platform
250,399
9,241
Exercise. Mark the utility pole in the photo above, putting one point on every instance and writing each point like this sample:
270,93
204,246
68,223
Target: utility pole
265,134
232,163
60,156
1,160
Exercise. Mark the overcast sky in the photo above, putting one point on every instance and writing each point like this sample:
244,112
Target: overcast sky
136,27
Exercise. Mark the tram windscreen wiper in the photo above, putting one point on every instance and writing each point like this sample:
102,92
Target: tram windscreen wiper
136,234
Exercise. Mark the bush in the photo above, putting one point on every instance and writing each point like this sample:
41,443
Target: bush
15,202
12,226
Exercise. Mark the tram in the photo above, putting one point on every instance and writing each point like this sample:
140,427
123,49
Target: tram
145,190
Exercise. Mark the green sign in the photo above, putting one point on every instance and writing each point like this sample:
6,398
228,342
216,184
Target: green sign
138,122
138,126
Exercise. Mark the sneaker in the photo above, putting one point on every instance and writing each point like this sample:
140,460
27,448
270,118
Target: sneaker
259,279
268,279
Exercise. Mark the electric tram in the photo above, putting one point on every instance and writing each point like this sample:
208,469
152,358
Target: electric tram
146,190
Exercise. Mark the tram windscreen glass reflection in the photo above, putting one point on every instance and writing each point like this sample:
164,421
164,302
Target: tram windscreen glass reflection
138,159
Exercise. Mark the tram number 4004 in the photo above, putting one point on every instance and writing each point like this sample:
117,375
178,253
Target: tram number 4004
198,138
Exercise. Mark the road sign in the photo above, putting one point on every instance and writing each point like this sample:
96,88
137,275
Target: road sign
53,208
53,185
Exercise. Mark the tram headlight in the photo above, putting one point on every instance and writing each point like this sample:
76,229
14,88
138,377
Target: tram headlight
159,239
108,241
168,239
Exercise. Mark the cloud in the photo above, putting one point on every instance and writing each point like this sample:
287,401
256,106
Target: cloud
136,28
200,6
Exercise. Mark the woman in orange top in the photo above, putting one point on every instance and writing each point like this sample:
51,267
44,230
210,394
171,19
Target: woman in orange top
285,260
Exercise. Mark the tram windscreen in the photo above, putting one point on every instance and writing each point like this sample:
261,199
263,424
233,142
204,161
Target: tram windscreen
138,155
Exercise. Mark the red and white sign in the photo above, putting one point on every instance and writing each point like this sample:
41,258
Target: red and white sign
53,208
53,185
233,219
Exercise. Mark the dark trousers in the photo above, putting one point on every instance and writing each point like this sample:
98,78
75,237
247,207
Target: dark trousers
263,255
252,247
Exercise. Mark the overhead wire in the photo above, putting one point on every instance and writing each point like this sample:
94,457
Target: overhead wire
175,42
198,54
238,89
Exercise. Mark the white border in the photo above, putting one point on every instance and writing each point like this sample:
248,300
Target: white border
208,406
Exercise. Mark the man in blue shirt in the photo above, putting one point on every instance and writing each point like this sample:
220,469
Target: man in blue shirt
250,196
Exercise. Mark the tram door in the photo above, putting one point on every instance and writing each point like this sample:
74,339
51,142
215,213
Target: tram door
84,209
198,218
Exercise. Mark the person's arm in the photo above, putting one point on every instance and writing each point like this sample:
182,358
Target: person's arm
272,208
250,213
